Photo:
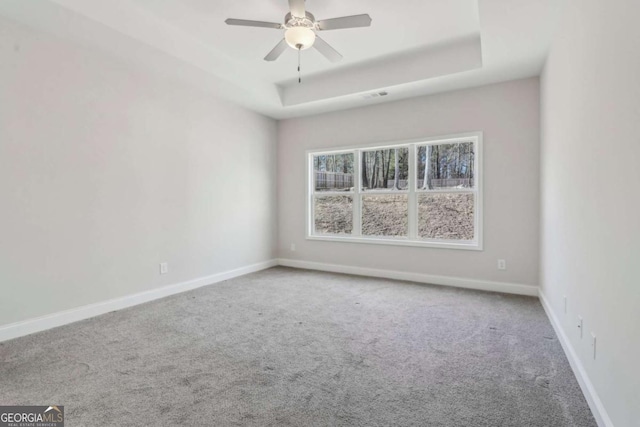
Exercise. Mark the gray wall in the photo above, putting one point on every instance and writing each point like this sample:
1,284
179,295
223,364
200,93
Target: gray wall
106,171
507,113
590,194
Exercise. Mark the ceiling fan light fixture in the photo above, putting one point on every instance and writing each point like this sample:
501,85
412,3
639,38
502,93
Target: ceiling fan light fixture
300,38
300,27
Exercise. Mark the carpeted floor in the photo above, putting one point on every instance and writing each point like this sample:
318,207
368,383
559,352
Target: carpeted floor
287,347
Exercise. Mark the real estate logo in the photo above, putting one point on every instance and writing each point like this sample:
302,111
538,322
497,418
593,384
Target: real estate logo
31,416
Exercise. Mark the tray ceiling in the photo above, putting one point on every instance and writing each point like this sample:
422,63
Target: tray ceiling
414,47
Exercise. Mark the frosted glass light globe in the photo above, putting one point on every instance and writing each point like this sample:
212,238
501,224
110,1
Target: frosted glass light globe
300,37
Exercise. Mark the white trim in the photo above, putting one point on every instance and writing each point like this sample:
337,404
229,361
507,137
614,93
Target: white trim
412,203
439,139
446,191
333,193
38,324
398,241
458,282
389,192
589,391
479,187
310,202
357,200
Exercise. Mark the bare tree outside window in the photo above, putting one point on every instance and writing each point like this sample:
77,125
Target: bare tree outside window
443,168
449,166
385,169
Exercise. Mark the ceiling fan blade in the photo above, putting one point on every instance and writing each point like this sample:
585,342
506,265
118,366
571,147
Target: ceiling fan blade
354,21
246,23
277,51
325,49
297,8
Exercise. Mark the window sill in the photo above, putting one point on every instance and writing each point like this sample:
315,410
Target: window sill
468,246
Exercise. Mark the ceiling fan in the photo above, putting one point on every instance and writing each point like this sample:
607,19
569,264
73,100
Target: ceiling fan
300,30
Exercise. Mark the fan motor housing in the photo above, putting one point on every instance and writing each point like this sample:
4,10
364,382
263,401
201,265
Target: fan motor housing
309,21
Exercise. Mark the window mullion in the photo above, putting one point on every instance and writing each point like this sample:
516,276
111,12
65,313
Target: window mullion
310,196
413,204
357,199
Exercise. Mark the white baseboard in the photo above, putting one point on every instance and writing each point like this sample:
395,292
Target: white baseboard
26,327
597,408
458,282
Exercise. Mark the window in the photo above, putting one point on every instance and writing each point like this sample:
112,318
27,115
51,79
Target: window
417,193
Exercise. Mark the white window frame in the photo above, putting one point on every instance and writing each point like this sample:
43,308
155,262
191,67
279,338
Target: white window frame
412,192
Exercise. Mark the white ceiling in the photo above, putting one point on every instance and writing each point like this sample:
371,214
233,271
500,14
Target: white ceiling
414,47
443,20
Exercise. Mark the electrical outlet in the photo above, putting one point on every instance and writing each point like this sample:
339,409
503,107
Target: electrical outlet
502,264
593,344
164,268
293,247
580,325
565,304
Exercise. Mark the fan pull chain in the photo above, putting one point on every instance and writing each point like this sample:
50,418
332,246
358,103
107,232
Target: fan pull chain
299,72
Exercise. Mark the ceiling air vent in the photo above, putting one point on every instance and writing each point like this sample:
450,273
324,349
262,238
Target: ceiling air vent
375,94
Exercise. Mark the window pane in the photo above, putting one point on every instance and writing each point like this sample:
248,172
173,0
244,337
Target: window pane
333,214
445,216
449,166
333,172
385,169
385,215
